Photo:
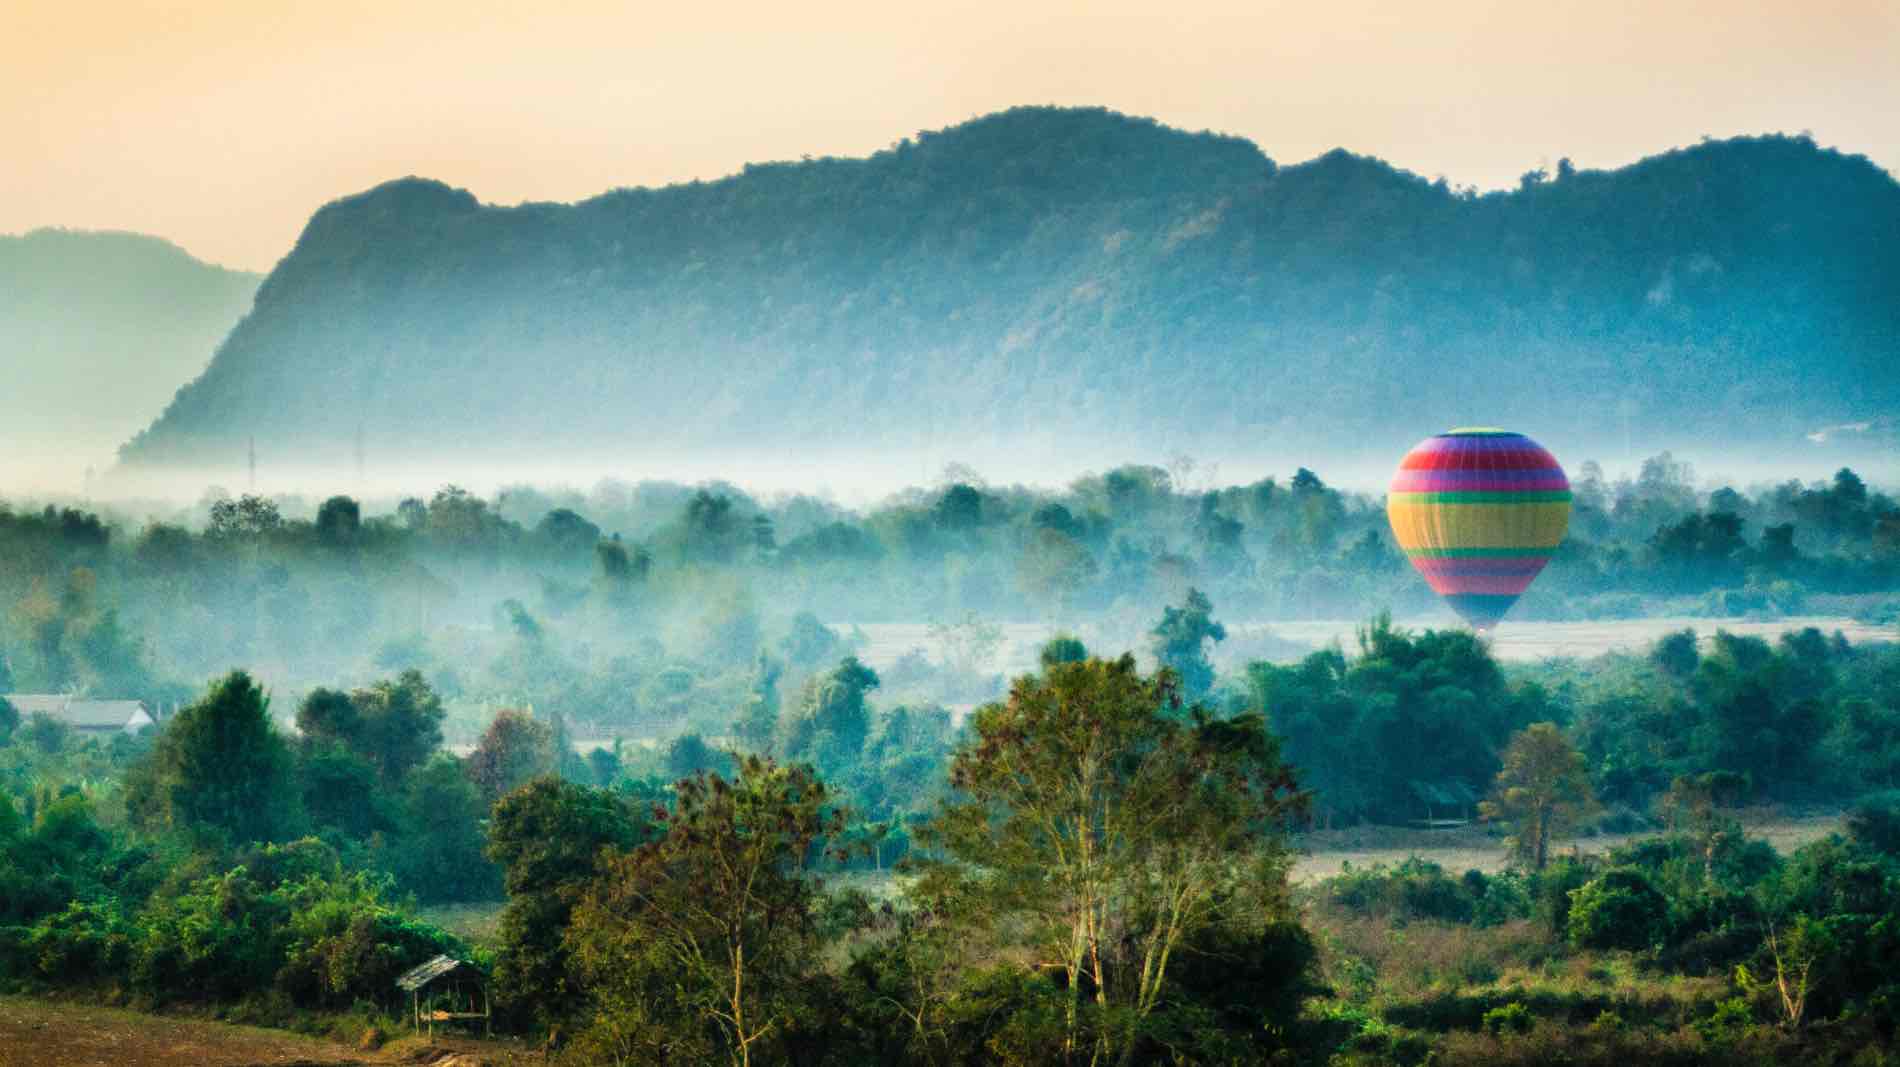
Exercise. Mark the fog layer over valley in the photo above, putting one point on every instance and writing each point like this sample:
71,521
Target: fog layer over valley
647,609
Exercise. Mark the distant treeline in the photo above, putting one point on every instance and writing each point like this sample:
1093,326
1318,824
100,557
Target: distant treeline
645,608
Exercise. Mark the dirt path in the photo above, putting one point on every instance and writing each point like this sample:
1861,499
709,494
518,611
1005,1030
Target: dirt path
50,1033
1470,848
40,1033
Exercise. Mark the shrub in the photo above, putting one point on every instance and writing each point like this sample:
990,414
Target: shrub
1620,909
1415,889
1731,1019
1511,1018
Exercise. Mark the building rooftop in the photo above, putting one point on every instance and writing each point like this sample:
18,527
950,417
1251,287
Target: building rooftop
81,713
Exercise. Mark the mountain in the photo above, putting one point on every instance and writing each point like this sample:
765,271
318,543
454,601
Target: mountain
1072,288
97,331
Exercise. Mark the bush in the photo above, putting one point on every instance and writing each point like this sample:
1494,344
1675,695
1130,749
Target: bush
1501,898
1875,823
1512,1018
1415,889
1619,910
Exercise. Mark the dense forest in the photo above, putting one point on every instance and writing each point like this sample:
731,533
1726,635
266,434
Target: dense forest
929,302
635,733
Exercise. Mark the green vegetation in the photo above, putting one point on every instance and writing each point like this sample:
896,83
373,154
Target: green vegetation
707,829
1166,286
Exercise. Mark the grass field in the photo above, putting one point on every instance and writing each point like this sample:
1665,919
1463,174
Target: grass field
38,1033
1476,848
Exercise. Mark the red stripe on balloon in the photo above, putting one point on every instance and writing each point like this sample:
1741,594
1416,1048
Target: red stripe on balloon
1486,584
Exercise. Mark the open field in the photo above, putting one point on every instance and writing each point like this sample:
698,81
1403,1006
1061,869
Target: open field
1475,848
37,1033
1531,641
1283,640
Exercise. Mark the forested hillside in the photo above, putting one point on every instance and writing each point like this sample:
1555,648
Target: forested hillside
97,330
1045,281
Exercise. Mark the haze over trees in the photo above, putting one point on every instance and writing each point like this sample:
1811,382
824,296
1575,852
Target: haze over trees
97,332
1172,287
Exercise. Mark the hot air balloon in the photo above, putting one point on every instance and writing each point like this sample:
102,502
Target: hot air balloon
1479,511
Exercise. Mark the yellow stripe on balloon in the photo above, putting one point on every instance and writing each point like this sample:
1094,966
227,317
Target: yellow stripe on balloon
1514,525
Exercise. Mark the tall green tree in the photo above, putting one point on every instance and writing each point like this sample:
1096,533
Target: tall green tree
707,936
549,838
515,749
1181,640
1543,790
1111,824
220,765
833,720
392,726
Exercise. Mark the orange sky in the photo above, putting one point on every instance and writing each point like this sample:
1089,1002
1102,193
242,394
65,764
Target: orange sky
222,124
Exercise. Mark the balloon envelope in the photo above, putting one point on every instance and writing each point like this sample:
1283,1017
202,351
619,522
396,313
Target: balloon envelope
1479,511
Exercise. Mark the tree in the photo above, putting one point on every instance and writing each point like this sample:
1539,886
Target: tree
339,521
400,724
392,726
709,929
340,790
567,536
1062,648
250,518
832,722
604,764
220,765
516,747
689,754
439,851
548,837
1112,824
1054,567
1792,952
1181,640
9,719
1676,654
1543,790
45,733
757,722
1618,909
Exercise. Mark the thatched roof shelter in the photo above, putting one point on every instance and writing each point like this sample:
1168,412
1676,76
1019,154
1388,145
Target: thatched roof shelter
446,990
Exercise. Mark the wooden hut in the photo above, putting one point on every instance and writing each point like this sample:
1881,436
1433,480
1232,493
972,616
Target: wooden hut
446,990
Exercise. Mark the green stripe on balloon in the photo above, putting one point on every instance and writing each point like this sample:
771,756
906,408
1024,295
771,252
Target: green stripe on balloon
1481,496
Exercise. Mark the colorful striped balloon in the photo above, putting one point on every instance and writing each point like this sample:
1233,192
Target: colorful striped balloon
1479,511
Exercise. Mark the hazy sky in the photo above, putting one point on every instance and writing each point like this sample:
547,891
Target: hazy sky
222,124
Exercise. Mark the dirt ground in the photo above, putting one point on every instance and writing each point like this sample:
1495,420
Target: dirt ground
42,1033
1475,847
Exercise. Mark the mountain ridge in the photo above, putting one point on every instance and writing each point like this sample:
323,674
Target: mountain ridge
1072,280
97,329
